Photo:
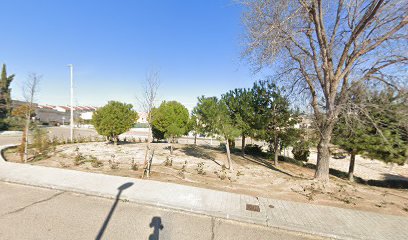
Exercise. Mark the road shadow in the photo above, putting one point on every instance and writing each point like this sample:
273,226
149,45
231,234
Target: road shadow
157,225
107,219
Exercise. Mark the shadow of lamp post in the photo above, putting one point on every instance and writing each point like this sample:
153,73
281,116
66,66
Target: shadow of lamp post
105,223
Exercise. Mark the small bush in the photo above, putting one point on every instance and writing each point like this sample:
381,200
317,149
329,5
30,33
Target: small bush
200,168
254,150
222,175
168,162
112,163
79,159
95,162
301,151
182,171
134,165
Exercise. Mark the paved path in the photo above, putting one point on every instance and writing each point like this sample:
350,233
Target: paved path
313,219
28,213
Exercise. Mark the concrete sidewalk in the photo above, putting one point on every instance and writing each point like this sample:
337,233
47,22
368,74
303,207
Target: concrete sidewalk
307,218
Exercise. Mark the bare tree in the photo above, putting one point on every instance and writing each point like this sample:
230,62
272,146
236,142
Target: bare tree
322,47
147,101
30,89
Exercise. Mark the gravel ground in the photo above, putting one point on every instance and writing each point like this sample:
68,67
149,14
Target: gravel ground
368,168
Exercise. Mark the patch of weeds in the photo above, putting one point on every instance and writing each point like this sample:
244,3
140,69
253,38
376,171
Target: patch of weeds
95,162
223,173
112,163
133,165
63,155
239,173
40,157
182,171
63,165
168,162
79,159
200,168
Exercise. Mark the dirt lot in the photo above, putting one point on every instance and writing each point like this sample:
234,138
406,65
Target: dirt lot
205,167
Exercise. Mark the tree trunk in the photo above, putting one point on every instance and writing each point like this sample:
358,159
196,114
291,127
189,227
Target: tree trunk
22,146
27,125
323,156
228,155
195,139
243,144
146,161
276,151
351,166
171,148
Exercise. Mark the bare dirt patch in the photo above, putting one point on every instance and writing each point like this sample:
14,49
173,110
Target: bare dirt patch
203,166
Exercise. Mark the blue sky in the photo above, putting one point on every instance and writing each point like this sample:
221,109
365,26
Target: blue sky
195,45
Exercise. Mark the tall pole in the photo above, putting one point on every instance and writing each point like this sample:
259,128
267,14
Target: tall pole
72,103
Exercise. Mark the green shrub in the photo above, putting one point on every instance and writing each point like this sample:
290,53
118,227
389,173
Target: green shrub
12,124
79,159
301,151
95,162
41,142
255,150
3,125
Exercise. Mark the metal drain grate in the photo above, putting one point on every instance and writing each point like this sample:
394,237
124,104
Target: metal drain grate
253,208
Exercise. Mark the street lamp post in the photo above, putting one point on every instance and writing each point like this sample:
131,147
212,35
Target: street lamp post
72,103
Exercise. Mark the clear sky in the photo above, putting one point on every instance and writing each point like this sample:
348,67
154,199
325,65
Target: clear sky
195,45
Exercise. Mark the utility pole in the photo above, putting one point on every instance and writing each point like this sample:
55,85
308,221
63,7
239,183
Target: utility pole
72,103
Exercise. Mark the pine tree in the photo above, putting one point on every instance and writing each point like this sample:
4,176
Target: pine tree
5,93
373,131
216,120
241,109
275,120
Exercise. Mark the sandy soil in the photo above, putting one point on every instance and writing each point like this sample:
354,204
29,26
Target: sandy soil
204,166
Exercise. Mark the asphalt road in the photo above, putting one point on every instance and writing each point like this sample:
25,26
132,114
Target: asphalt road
36,213
53,131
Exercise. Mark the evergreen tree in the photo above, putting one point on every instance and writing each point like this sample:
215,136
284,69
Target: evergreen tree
274,122
114,119
216,120
375,130
171,119
240,104
5,93
194,126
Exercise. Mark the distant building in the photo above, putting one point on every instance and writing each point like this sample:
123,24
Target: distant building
57,115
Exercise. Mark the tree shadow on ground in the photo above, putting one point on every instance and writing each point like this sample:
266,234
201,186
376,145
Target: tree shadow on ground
107,219
390,180
199,152
266,163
